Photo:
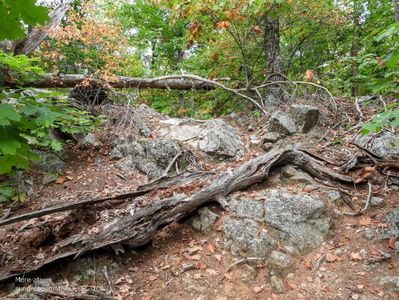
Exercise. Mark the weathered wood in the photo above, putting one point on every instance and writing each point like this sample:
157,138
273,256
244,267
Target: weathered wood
161,183
71,80
138,229
39,33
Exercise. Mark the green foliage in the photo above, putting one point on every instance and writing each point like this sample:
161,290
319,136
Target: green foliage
25,121
14,14
18,68
390,117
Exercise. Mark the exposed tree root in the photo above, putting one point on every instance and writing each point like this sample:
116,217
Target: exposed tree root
138,229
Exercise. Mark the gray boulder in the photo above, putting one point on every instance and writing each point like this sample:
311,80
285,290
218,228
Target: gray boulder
280,264
292,174
271,137
205,220
214,137
298,219
281,123
305,116
391,283
244,237
49,162
277,284
246,208
90,140
392,219
385,144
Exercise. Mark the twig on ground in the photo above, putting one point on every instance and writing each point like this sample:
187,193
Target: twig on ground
108,280
358,108
319,262
367,203
244,260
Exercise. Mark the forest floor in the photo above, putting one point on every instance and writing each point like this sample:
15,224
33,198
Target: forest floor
183,263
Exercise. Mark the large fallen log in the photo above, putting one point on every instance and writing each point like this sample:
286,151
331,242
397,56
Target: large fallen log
138,229
72,80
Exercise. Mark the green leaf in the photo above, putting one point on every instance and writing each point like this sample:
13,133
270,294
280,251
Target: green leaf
7,114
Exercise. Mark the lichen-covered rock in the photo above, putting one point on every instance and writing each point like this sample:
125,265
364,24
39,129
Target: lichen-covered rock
244,237
280,264
214,137
246,208
298,219
392,219
205,220
277,284
281,123
271,137
49,162
221,140
391,283
290,173
305,116
90,140
385,144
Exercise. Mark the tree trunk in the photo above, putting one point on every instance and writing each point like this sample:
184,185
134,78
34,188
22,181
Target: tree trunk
357,11
273,57
38,34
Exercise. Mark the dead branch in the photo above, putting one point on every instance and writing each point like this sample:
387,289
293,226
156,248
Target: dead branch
366,206
138,229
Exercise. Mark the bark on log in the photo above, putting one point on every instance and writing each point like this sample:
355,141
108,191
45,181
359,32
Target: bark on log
71,80
38,34
138,229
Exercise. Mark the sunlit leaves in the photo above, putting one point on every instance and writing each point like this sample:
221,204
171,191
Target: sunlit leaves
15,13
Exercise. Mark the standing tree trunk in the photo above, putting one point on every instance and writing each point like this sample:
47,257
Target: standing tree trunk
273,58
357,11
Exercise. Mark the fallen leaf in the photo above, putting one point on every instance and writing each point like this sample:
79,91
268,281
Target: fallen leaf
61,180
364,174
152,278
211,248
218,257
194,257
366,221
391,242
212,271
355,256
201,265
198,276
360,286
258,289
332,258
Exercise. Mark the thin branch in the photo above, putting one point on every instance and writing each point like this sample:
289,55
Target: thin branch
367,203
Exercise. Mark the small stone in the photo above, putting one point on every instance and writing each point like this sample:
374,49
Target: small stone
390,282
248,273
205,220
334,195
277,284
377,202
267,146
368,234
281,123
338,251
90,140
305,116
355,296
49,178
363,253
397,246
254,140
280,263
271,137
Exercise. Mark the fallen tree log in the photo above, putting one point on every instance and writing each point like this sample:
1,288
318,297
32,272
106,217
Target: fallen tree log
138,229
71,80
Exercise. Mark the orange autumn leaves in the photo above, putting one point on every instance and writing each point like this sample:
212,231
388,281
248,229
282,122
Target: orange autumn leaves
87,43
